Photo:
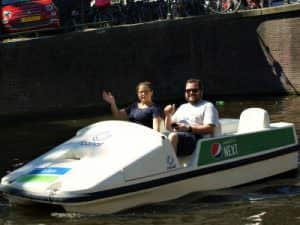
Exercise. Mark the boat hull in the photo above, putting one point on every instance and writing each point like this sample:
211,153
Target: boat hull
102,171
212,181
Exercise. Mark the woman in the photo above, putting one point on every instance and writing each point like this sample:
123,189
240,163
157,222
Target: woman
144,111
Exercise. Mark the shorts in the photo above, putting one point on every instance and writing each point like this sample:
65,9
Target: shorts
186,143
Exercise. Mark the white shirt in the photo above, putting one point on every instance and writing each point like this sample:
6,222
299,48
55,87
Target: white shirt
203,113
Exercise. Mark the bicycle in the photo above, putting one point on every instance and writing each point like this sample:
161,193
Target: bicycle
222,6
203,6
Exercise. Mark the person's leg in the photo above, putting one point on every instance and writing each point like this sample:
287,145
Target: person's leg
174,140
186,143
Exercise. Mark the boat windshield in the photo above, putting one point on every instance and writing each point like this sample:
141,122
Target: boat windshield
11,2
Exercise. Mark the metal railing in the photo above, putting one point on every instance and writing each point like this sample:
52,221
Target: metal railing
137,12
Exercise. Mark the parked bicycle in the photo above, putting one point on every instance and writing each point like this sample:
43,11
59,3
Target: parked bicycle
223,6
182,8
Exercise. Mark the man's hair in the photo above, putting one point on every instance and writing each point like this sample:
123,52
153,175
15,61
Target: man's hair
192,80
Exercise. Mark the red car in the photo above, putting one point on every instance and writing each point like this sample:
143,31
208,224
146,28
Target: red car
25,15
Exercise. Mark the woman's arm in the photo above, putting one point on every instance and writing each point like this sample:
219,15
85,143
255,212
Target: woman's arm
109,98
156,123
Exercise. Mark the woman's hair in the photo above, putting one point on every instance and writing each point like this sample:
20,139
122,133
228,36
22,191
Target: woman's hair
144,83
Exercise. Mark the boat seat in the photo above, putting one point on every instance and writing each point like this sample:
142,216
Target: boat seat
227,126
253,119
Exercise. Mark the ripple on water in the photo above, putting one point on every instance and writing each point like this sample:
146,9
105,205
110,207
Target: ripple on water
67,215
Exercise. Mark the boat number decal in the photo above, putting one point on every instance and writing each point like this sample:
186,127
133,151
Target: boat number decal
171,164
97,140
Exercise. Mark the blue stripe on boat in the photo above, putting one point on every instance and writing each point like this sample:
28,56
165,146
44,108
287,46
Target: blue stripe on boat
50,170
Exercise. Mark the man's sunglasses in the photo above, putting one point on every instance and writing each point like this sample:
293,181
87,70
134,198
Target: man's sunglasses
191,90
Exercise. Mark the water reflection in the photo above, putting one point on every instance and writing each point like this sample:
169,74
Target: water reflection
274,202
280,108
223,211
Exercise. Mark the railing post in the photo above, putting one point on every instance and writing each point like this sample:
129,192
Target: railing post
169,10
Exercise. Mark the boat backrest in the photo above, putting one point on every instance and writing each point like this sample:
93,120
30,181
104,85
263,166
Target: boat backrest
253,119
227,126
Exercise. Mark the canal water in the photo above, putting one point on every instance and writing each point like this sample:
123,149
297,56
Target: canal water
273,202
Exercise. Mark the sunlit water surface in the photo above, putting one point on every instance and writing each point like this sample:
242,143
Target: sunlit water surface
272,202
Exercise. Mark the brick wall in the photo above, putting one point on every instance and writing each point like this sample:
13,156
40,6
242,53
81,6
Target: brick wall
253,52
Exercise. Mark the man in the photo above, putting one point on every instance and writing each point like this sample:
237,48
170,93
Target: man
192,120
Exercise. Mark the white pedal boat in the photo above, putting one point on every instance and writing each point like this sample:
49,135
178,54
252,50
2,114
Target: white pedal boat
115,165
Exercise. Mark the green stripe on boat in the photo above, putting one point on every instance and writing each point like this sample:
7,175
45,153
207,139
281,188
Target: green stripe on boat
216,150
36,178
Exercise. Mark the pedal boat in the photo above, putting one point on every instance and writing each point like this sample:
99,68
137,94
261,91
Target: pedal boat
115,165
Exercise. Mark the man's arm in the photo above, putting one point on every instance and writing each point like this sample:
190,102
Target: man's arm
169,110
202,129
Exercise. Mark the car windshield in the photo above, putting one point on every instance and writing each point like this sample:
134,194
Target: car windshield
10,2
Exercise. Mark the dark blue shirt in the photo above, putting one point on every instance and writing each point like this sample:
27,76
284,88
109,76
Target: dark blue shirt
143,116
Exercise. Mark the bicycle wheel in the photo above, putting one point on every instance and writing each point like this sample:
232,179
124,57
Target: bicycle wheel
224,6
